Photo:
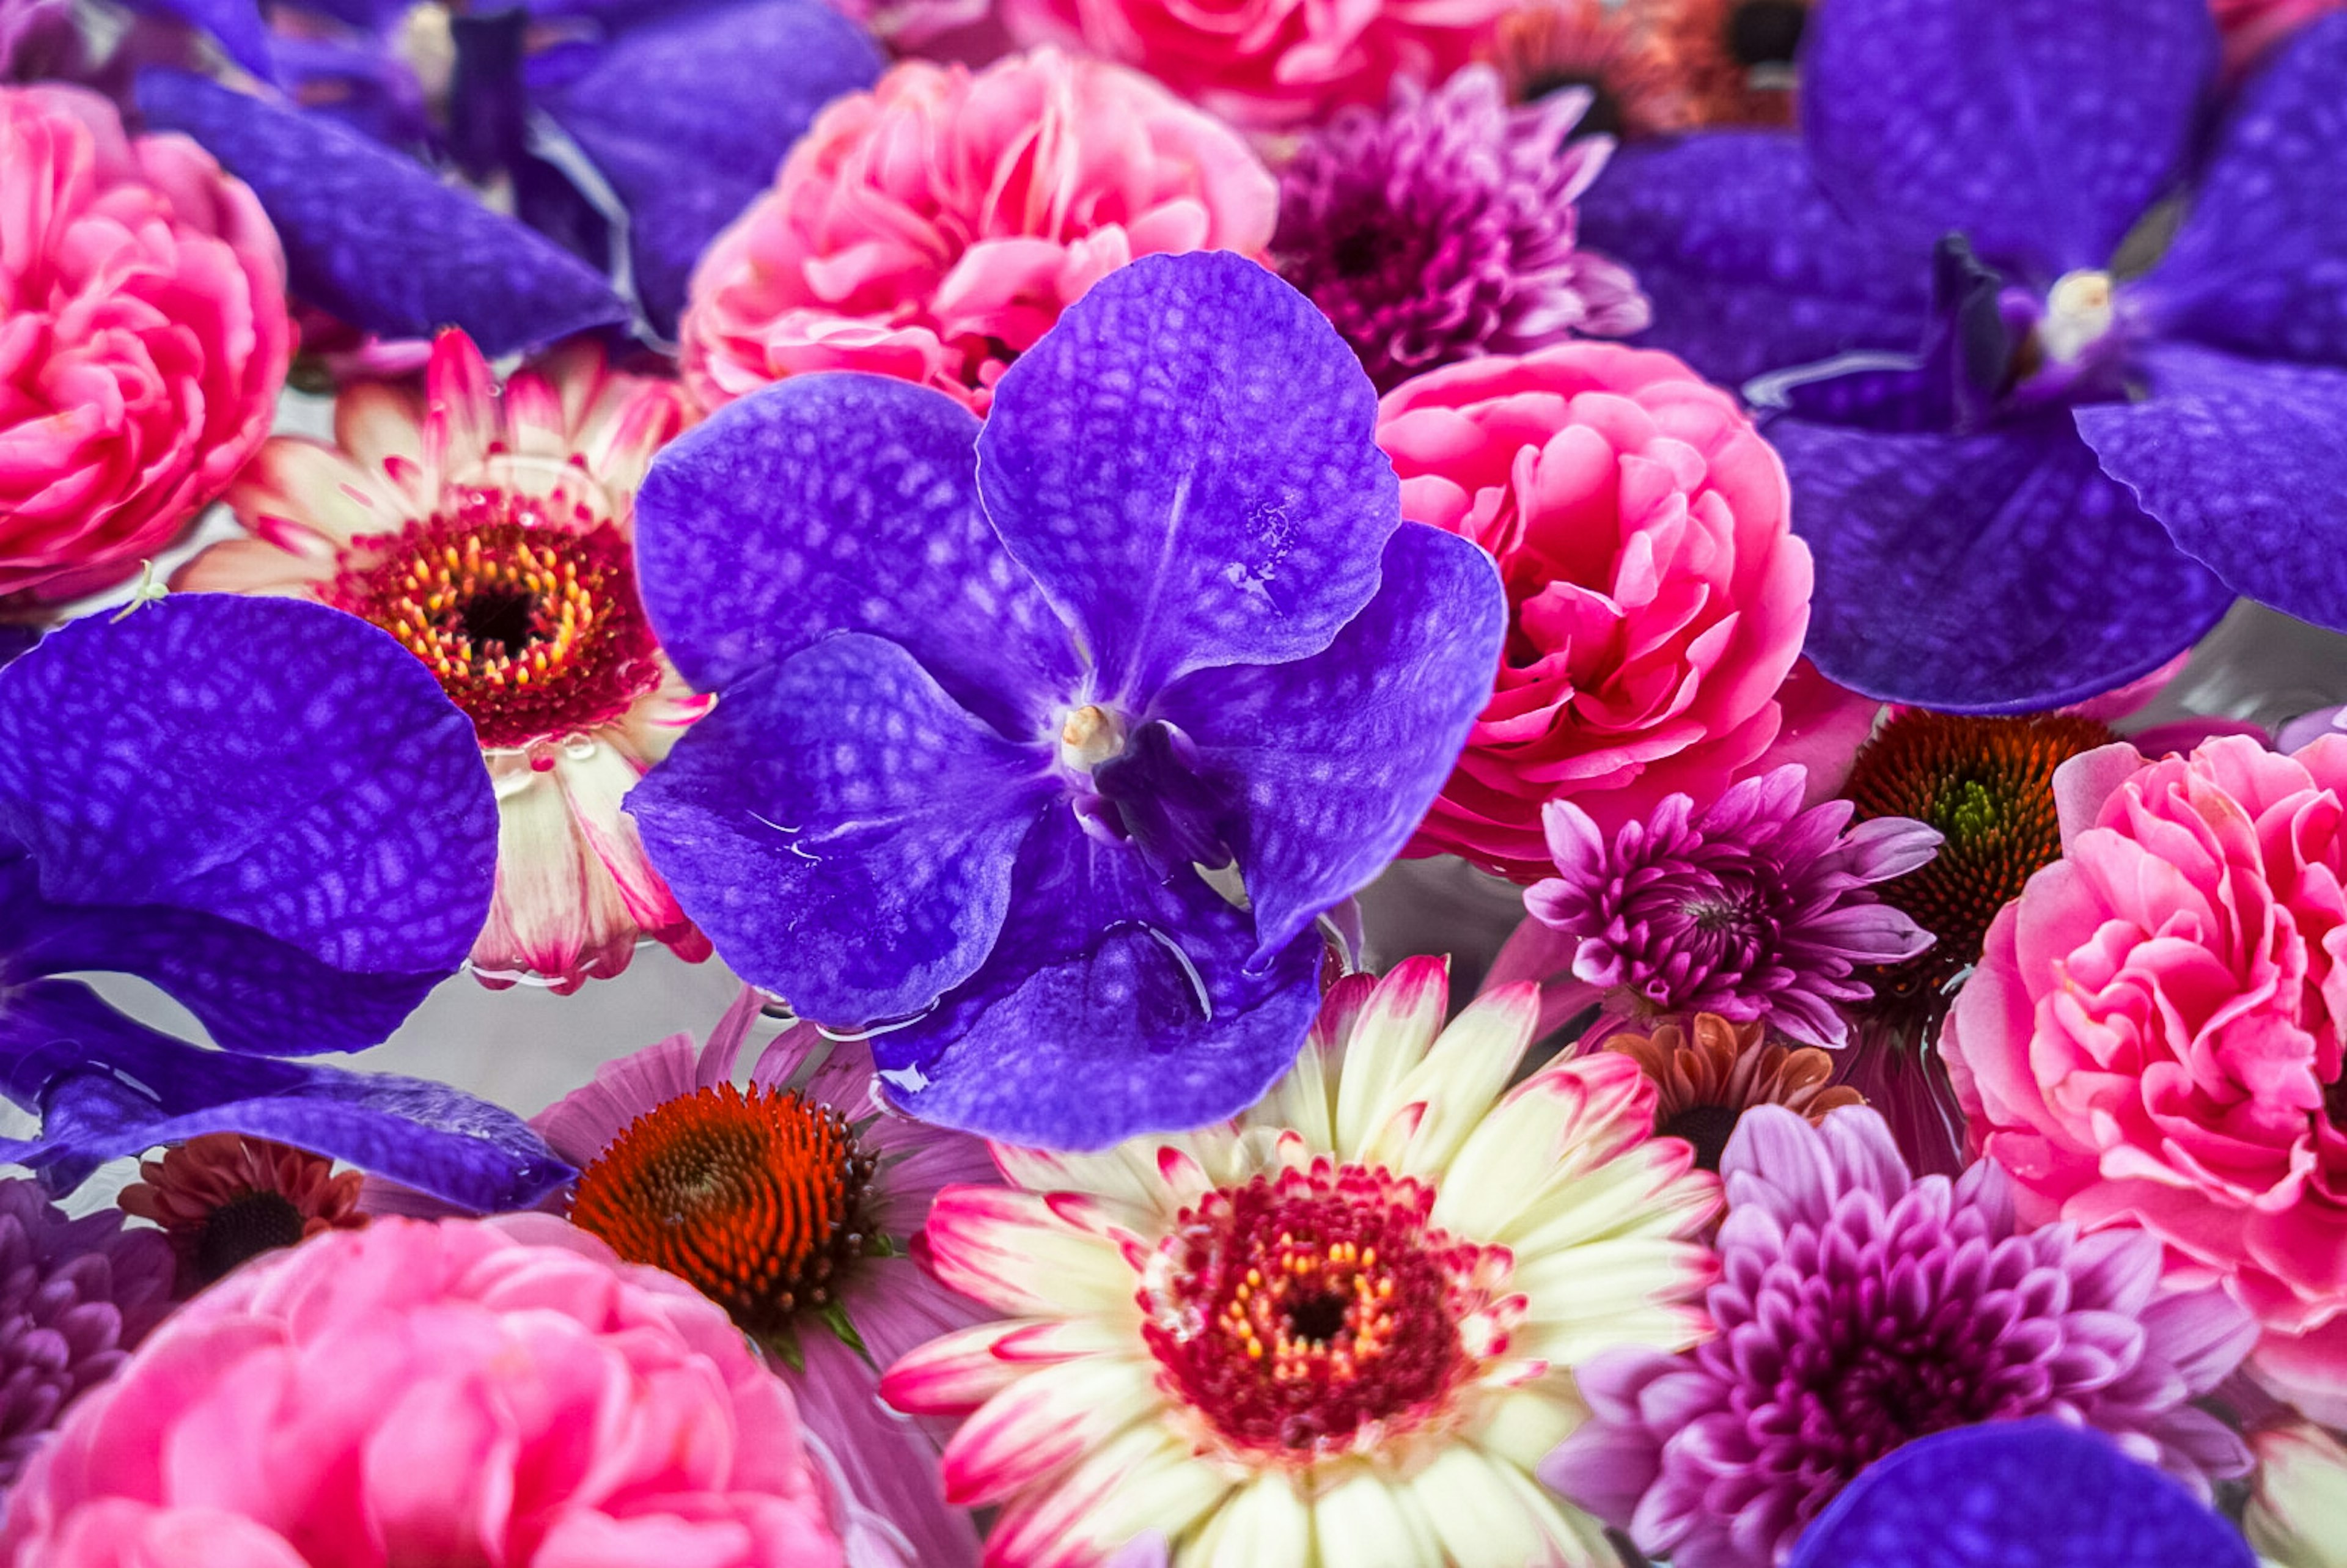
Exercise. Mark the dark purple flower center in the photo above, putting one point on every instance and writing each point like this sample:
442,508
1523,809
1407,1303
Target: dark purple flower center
1767,32
242,1228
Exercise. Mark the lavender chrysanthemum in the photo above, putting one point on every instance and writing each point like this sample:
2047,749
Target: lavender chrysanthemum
1445,228
75,1297
1754,908
1859,1307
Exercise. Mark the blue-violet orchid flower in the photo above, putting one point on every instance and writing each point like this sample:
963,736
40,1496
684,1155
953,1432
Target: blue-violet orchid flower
992,698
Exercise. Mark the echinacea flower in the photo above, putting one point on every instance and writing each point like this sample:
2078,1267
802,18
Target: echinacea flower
1442,229
1339,1329
77,1295
1753,908
1657,596
2296,1517
1859,1308
223,1199
1733,60
489,530
2154,1036
1544,48
1708,1072
935,227
794,1205
269,810
990,697
463,1391
142,302
2035,461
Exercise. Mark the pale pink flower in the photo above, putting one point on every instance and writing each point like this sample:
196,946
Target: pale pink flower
446,1393
934,228
143,339
491,531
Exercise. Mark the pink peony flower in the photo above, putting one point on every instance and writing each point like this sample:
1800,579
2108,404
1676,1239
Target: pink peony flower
935,227
1270,65
143,338
2154,1035
1659,596
445,1393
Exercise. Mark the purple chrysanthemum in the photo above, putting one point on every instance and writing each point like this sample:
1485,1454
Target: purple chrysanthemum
1445,228
75,1297
1756,909
1859,1307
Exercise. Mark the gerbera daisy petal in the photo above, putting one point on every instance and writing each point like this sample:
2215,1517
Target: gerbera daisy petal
1045,1420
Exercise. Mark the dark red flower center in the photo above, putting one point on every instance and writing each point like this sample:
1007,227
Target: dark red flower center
757,1199
1293,1312
242,1228
532,624
1706,1129
1767,32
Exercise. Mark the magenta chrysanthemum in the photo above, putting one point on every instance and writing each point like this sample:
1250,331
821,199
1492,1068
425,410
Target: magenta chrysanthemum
1754,908
1444,229
1859,1307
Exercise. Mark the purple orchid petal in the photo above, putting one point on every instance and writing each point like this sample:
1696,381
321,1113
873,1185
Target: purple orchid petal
235,25
2246,463
1335,758
2259,265
106,1087
372,237
1750,266
844,503
688,113
1186,462
842,832
2041,130
2017,1494
1113,1005
1994,572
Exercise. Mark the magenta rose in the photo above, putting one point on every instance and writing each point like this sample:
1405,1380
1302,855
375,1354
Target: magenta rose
143,338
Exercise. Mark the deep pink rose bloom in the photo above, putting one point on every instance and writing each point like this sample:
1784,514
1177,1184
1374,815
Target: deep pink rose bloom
444,1393
1659,596
143,338
935,227
2154,1034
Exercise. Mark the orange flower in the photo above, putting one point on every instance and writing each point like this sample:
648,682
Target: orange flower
1708,1074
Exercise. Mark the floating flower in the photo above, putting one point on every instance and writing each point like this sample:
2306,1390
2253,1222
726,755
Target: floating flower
223,1200
432,1393
1734,58
142,297
991,699
1443,229
1657,596
793,1205
2070,480
934,228
77,1295
490,531
2154,1036
1548,48
1753,908
1859,1308
1708,1073
2296,1517
1338,1328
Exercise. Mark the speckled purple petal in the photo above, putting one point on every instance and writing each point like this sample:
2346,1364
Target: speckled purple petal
1750,267
1187,463
1996,572
844,503
106,1087
16,640
2246,463
688,114
842,832
2017,1494
374,237
1113,1005
2040,129
2261,265
1335,758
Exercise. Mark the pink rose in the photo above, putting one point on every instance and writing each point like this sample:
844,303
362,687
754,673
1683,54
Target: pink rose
2154,1035
143,338
1659,598
935,227
442,1393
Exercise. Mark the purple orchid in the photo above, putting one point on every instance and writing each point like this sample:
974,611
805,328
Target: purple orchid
269,810
991,699
2091,455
